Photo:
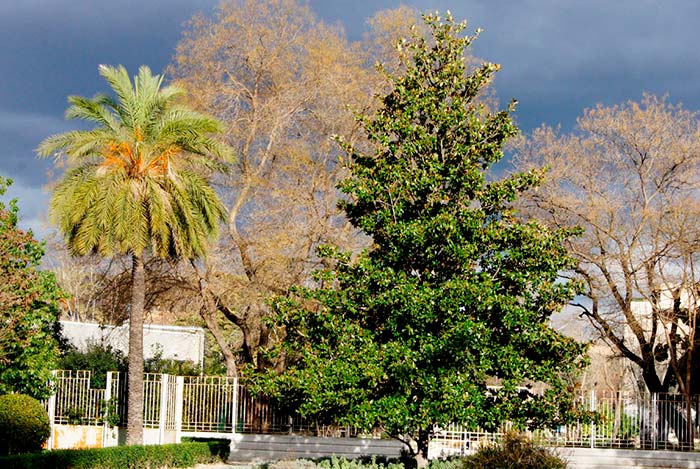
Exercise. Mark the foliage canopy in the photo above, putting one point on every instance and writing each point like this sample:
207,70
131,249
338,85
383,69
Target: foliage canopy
135,181
29,299
282,81
455,292
24,424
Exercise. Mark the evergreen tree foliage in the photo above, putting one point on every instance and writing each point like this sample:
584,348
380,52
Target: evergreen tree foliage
455,292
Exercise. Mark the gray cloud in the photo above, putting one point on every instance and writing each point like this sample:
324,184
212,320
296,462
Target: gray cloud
558,57
21,133
51,49
561,57
32,202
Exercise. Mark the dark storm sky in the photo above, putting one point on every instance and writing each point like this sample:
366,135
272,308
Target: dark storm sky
558,57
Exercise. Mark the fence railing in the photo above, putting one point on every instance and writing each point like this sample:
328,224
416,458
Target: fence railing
75,401
206,404
259,414
655,421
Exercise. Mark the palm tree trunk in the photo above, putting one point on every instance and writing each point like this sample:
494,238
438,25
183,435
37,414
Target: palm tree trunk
134,418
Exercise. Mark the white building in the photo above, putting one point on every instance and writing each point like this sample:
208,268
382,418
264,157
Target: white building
174,342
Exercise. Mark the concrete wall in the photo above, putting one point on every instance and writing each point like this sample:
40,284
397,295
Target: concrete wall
587,458
76,436
99,436
246,448
176,342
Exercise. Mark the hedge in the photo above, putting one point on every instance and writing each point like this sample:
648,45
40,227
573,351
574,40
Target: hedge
24,424
121,457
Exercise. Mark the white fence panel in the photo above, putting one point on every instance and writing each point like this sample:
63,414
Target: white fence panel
208,404
217,405
75,402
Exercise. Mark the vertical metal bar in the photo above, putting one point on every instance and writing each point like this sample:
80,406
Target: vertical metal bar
179,398
106,410
234,416
654,419
163,407
197,414
51,407
592,407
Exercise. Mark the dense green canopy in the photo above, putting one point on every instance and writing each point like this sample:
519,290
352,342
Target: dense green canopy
29,299
455,292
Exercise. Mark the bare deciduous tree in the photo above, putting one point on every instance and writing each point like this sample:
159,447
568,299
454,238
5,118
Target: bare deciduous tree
630,176
284,83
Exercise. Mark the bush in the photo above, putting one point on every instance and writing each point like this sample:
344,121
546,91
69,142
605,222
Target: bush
98,358
24,424
158,364
515,452
453,462
334,462
218,447
120,457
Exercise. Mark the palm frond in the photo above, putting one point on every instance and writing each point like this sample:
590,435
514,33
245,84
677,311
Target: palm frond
119,81
135,179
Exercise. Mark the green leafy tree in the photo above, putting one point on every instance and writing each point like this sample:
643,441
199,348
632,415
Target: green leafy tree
136,186
455,292
97,357
29,300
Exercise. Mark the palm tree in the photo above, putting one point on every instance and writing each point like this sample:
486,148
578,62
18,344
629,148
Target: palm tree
135,185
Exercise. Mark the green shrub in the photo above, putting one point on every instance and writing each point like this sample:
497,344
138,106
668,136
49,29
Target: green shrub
24,424
334,463
452,462
218,447
120,457
358,463
98,358
515,452
378,462
290,464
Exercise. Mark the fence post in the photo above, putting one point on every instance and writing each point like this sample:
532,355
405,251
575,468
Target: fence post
592,408
654,419
51,408
106,410
163,407
234,413
179,398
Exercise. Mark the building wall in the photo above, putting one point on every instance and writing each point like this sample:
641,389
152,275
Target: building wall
175,342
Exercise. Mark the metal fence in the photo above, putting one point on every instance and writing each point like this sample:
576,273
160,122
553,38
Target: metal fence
205,405
75,401
655,421
259,414
208,403
193,404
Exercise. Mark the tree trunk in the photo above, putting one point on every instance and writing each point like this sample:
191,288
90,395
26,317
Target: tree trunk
134,419
422,453
421,460
209,316
418,448
208,313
